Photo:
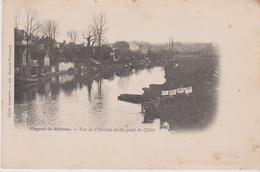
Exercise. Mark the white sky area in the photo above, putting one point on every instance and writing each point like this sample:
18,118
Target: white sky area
149,20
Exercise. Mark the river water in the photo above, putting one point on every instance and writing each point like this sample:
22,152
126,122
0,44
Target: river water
69,101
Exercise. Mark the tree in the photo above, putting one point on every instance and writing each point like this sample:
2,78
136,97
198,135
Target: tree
98,28
31,28
73,36
17,19
50,29
89,36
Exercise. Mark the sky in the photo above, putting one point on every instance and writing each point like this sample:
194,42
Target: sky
147,20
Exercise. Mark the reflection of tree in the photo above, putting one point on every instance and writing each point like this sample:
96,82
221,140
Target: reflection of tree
25,93
89,87
41,88
69,86
99,88
124,72
97,97
84,80
123,82
109,75
44,87
55,88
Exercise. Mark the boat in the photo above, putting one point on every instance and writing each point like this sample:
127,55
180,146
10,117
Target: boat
25,80
132,98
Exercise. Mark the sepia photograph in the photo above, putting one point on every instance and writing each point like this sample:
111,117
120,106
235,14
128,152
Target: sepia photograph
131,84
111,80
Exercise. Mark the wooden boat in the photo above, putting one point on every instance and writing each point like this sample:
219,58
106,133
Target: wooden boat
25,80
132,98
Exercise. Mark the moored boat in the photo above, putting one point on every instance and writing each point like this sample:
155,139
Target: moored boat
25,80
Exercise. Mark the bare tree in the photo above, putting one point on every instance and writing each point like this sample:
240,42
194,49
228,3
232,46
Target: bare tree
31,27
73,36
17,19
98,28
89,37
50,28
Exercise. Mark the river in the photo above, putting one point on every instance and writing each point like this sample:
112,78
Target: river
68,101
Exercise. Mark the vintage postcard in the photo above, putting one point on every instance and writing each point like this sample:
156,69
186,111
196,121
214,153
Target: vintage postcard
132,84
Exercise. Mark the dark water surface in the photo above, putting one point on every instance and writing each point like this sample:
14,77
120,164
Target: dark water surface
75,101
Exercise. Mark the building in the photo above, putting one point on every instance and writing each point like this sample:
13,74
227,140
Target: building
144,50
140,47
56,45
133,46
50,62
121,50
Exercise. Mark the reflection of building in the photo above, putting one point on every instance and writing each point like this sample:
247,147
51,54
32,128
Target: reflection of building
65,66
65,78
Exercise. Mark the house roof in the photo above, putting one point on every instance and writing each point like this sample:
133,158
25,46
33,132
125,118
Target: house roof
121,44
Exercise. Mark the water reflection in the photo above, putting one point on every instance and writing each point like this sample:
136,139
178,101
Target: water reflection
25,94
81,100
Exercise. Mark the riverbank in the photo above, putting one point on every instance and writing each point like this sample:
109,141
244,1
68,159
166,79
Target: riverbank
188,98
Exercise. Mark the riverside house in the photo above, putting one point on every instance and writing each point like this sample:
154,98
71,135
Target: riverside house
121,50
25,67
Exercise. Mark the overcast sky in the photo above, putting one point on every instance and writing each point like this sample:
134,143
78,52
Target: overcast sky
148,20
